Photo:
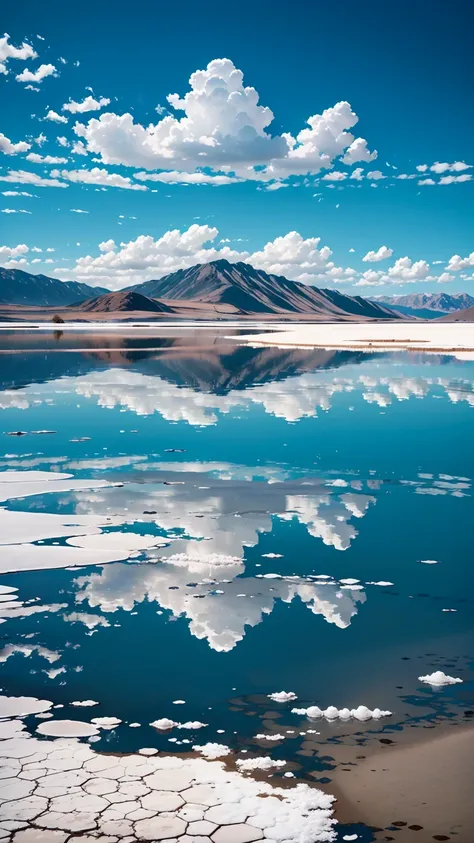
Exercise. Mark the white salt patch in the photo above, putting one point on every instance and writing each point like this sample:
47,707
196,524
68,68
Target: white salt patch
273,555
439,678
67,729
22,706
179,702
192,724
349,581
85,703
429,562
350,837
213,750
266,763
88,619
117,540
270,737
148,750
282,696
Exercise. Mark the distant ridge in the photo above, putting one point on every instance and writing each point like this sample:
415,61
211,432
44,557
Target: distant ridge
123,302
24,288
427,305
252,290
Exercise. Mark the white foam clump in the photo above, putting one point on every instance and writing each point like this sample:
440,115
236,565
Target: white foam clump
282,696
272,555
266,763
213,750
333,713
429,561
85,703
439,678
67,729
192,724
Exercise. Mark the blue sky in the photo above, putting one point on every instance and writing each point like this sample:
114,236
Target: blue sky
405,70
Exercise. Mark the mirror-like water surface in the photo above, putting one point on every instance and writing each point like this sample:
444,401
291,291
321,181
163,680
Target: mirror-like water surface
189,526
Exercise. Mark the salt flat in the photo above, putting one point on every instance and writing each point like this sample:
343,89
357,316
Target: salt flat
376,336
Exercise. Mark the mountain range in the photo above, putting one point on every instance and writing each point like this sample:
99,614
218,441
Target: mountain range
18,287
427,305
218,288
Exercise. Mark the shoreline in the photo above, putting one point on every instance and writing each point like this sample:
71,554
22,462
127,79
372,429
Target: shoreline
426,784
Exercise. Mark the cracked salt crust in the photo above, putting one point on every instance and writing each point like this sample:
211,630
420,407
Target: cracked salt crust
53,790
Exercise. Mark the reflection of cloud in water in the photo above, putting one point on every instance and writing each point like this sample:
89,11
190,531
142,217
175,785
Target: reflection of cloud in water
218,615
297,397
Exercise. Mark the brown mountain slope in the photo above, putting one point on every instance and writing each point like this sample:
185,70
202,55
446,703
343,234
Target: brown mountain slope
255,291
466,315
123,302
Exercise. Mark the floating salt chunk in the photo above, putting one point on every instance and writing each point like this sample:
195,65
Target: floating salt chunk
246,765
148,750
282,696
349,581
179,702
22,706
270,737
67,729
134,725
381,583
212,750
289,775
272,555
192,724
449,610
106,722
164,724
348,837
85,703
439,678
429,562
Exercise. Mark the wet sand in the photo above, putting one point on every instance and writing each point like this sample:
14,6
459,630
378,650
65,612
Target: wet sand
426,784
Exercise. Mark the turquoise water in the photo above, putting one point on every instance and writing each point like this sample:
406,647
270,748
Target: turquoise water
347,466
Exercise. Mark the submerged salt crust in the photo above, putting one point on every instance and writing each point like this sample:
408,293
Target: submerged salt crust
58,788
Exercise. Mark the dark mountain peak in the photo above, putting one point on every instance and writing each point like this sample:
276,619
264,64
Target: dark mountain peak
245,289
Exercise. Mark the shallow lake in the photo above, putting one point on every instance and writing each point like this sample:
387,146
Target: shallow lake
203,522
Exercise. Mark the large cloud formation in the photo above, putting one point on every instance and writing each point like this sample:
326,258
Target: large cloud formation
224,128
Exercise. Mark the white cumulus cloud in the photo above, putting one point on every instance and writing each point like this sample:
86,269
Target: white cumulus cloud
10,148
38,75
97,176
35,158
87,104
55,117
25,177
9,51
379,255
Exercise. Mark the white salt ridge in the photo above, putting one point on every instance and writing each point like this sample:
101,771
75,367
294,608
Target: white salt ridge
266,763
429,562
439,678
333,713
212,750
282,696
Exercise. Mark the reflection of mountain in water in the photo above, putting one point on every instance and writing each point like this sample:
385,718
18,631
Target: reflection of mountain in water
200,362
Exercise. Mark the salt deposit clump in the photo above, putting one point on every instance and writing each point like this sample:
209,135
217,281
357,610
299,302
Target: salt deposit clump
282,696
333,713
266,763
213,750
439,678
